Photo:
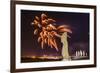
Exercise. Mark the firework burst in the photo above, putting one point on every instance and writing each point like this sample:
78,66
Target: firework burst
48,31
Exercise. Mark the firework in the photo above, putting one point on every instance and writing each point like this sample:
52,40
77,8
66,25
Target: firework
48,30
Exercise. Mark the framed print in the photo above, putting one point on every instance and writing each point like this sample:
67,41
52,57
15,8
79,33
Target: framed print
49,36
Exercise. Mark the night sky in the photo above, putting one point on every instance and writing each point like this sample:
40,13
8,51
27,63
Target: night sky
79,23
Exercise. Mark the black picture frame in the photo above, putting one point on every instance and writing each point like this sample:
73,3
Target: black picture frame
13,35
